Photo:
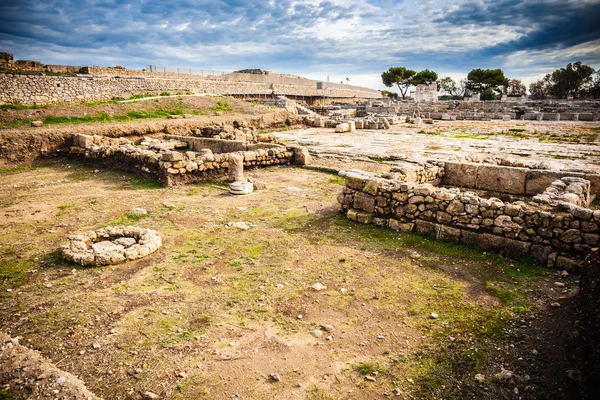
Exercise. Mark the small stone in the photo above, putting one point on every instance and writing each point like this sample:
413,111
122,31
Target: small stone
329,338
559,284
480,378
150,395
275,377
504,375
61,379
535,352
167,204
182,375
370,378
555,305
299,316
139,211
317,333
433,316
81,352
397,392
96,345
564,273
328,328
318,287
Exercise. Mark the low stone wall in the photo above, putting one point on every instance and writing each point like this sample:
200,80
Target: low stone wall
512,180
42,89
160,160
557,237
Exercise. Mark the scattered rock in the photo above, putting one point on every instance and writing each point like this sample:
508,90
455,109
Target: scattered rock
480,378
504,375
370,378
150,395
139,211
275,377
433,316
61,379
318,287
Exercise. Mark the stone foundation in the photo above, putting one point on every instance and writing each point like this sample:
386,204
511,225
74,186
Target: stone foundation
558,236
180,159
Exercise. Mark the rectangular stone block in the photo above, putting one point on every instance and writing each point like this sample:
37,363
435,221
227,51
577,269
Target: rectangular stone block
501,179
448,234
487,241
426,227
460,174
537,180
365,202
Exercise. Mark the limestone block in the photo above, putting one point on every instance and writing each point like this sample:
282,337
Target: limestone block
426,227
365,202
351,126
501,179
84,141
448,234
301,156
497,243
341,128
460,174
172,156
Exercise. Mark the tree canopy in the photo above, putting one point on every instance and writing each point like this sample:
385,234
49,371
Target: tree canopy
479,80
570,80
399,76
516,88
404,78
455,90
424,77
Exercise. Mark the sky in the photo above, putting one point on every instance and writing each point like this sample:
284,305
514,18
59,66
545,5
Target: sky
355,39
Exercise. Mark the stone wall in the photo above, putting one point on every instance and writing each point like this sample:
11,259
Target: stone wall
42,89
556,236
174,162
512,180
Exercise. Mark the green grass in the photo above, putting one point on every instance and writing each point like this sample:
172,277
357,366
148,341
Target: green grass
23,168
517,130
429,132
127,219
476,136
367,368
221,106
165,94
144,183
4,107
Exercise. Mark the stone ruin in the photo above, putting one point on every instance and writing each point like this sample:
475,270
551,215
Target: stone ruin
111,245
176,160
545,214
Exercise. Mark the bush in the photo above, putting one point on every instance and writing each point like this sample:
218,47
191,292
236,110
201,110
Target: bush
165,94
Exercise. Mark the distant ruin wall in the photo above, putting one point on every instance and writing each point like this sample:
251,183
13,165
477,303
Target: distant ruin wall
42,89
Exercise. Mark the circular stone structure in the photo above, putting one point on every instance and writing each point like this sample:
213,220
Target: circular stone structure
111,245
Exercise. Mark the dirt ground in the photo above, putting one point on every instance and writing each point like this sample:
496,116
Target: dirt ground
218,311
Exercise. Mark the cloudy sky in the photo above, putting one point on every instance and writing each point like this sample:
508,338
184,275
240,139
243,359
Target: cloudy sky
357,39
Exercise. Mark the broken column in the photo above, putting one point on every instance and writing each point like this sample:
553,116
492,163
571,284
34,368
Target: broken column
235,171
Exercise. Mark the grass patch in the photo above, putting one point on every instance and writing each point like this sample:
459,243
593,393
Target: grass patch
144,183
221,106
127,219
516,130
23,168
4,107
367,368
475,136
337,180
